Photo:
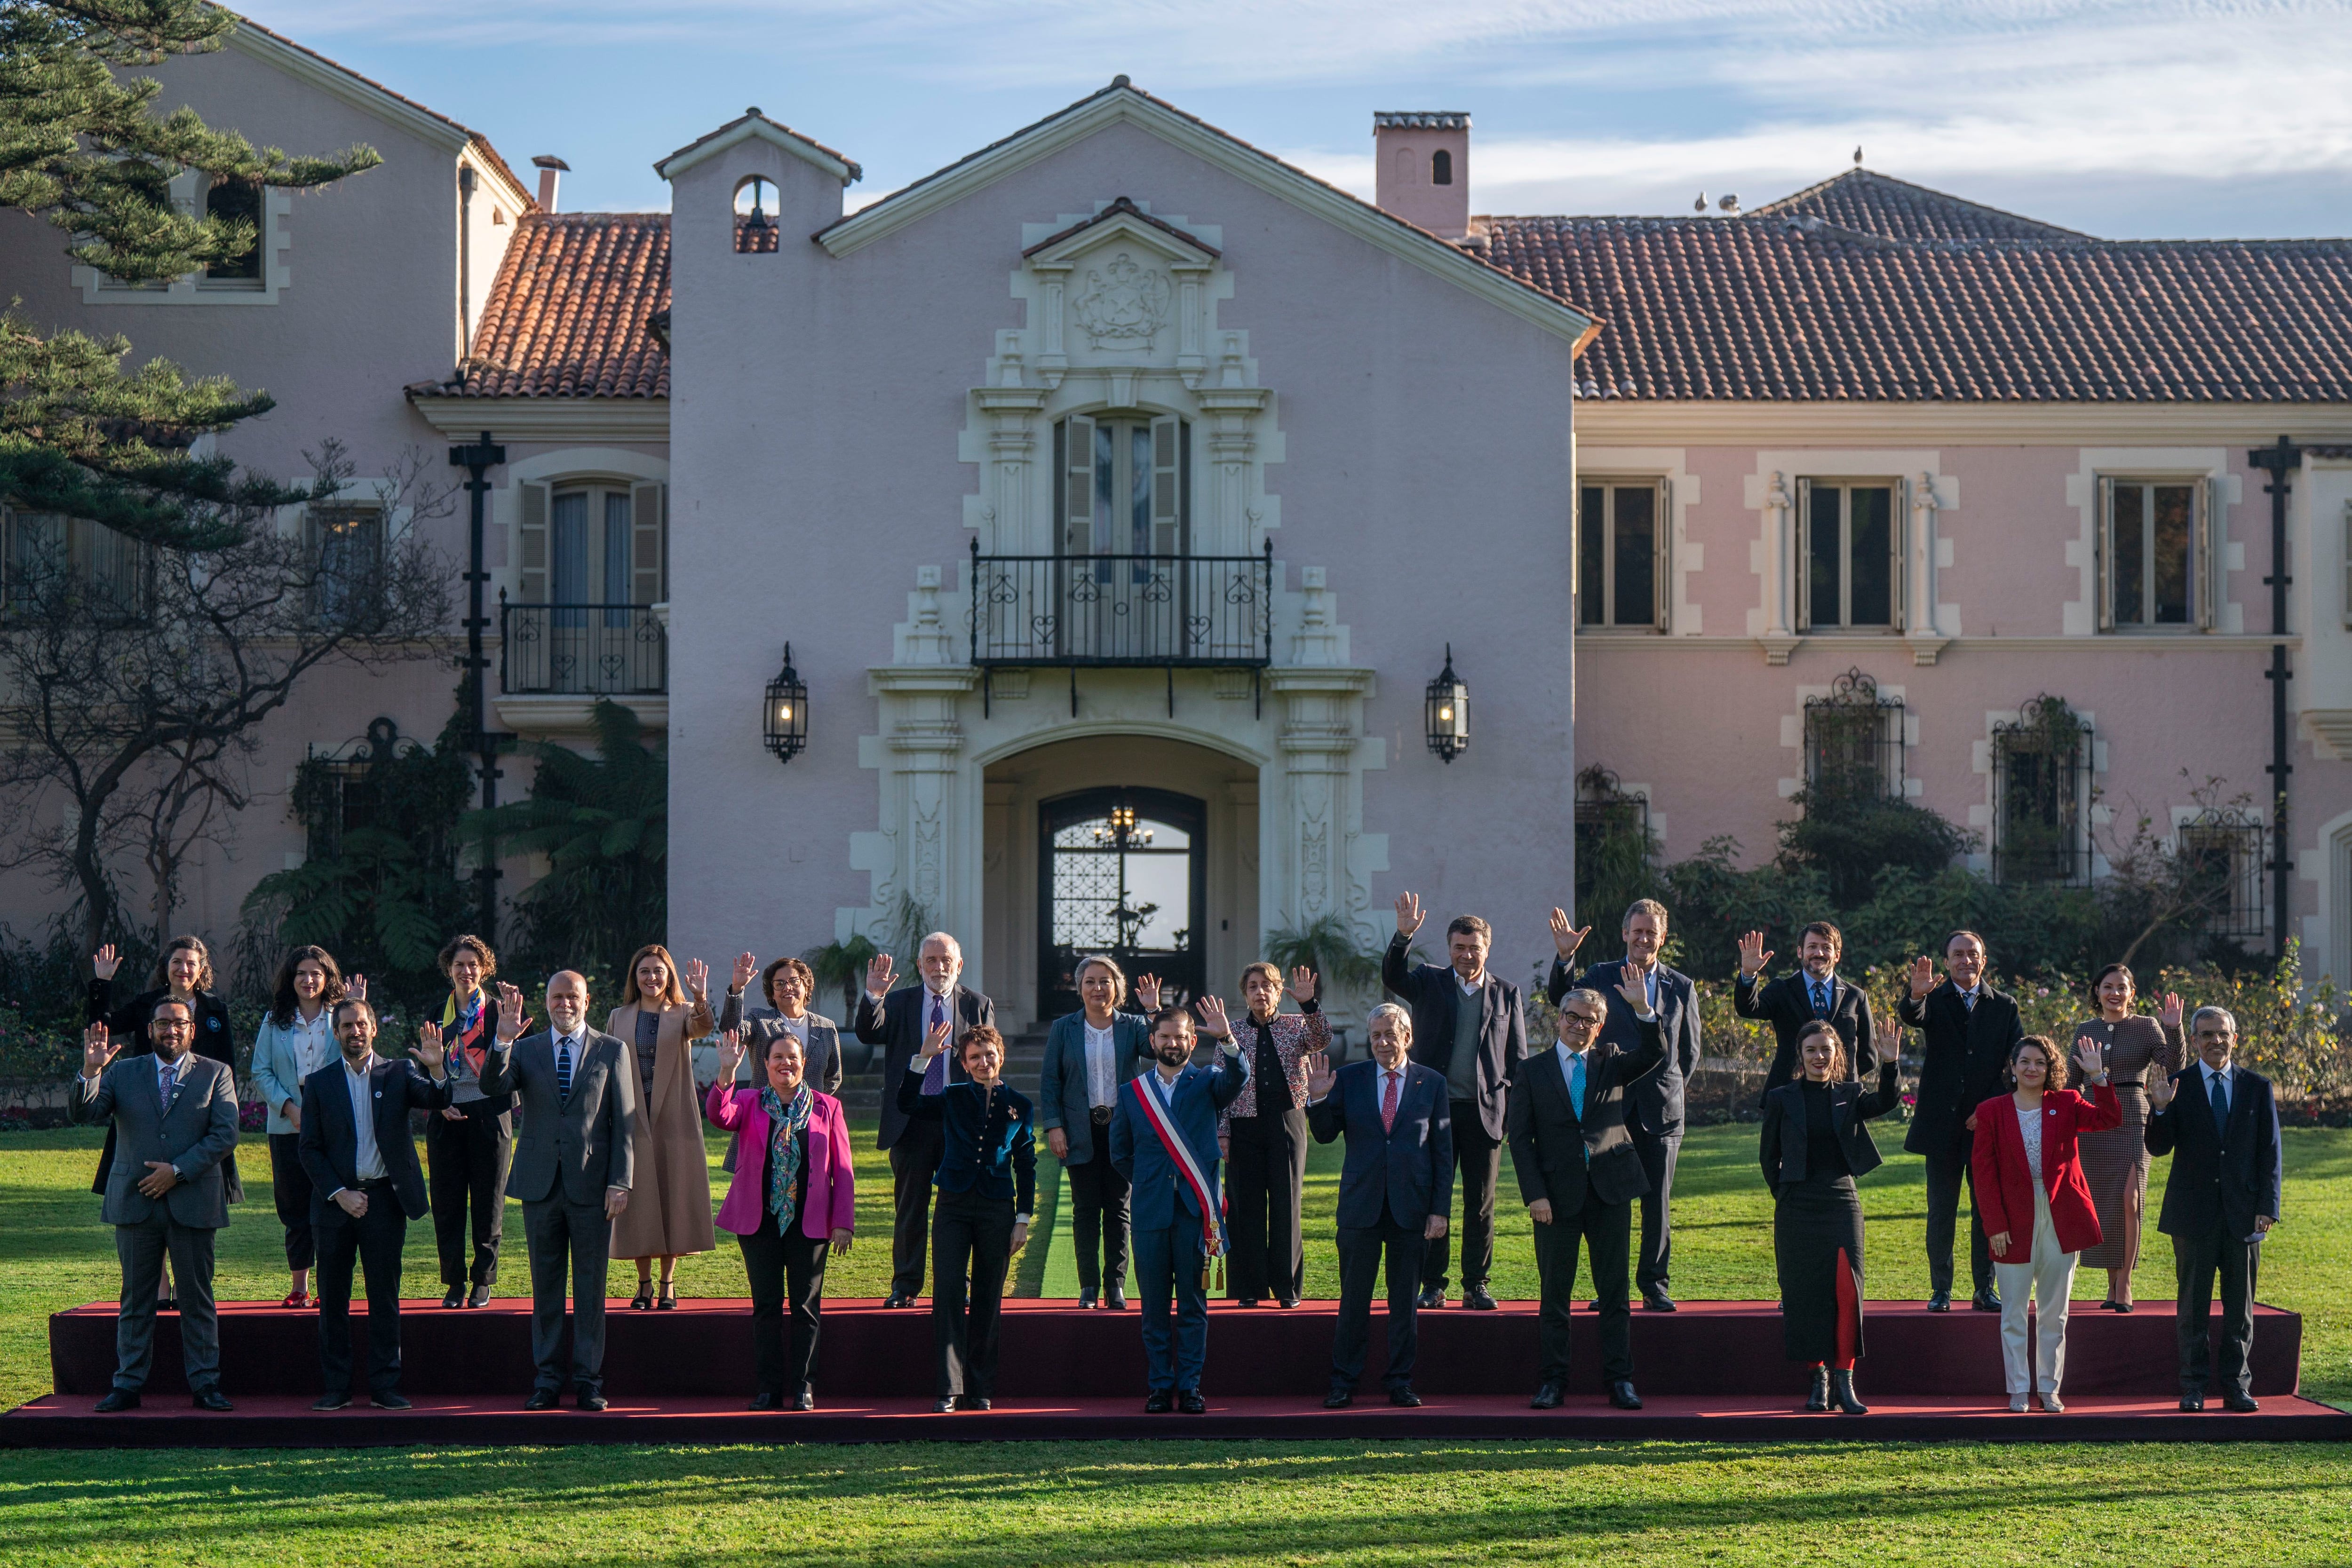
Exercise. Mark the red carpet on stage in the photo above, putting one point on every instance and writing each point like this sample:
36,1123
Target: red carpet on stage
1713,1369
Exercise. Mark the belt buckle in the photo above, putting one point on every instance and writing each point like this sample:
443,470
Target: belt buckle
1101,1115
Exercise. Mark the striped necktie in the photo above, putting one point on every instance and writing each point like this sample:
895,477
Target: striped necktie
935,1076
563,1067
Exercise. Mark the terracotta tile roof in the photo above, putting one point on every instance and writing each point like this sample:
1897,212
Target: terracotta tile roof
1769,308
572,313
1874,203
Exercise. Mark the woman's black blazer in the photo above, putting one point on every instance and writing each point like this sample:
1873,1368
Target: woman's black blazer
1786,1134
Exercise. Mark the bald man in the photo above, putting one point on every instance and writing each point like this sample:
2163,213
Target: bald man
571,1171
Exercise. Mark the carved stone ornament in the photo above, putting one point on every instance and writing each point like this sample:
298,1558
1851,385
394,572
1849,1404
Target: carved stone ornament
1124,305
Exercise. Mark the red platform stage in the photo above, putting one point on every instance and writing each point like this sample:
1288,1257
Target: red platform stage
1714,1370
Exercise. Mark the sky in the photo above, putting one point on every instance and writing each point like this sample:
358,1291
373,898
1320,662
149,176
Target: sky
2166,119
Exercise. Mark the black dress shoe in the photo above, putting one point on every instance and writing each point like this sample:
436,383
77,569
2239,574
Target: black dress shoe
804,1400
1658,1302
1087,1298
213,1399
1940,1302
897,1299
119,1399
2191,1402
2234,1400
1246,1301
1190,1402
390,1401
331,1402
945,1406
766,1402
1338,1399
1985,1300
1817,1401
1161,1402
1622,1394
1547,1397
1286,1303
1116,1302
480,1297
456,1297
1405,1397
1429,1301
1475,1298
540,1399
974,1402
593,1402
2120,1306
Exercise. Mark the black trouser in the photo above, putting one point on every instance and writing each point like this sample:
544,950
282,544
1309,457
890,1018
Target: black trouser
1099,1214
466,1182
914,1162
1265,1167
1658,1153
1479,1158
373,1241
969,1233
787,1273
1362,1248
1948,1168
290,1184
1606,1230
2196,1260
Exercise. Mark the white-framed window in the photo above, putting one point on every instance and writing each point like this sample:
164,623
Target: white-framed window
346,542
1126,486
48,559
253,279
1623,578
2042,768
1850,540
2156,554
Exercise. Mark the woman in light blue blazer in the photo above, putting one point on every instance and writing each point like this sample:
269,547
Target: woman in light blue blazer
297,1038
1088,1055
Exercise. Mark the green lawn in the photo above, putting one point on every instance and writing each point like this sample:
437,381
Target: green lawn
1193,1502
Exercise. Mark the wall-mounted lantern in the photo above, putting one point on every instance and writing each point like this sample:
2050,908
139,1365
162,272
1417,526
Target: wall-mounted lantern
1448,713
784,724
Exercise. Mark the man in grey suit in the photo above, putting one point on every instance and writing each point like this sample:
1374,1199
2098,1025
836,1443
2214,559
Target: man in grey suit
174,1120
572,1170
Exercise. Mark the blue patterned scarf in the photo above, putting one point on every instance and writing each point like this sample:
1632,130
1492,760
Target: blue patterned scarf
784,1151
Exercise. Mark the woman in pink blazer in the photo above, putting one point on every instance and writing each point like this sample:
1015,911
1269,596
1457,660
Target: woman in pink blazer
2037,1208
792,1200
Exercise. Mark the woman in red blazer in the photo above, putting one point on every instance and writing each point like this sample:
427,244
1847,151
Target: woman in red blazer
792,1199
2035,1206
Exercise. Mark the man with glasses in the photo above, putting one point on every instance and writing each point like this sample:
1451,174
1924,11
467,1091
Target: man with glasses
1581,1174
174,1120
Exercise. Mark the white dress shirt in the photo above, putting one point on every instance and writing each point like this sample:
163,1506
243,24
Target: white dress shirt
367,1161
1102,1065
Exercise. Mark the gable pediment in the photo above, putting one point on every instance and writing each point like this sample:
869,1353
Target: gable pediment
1122,222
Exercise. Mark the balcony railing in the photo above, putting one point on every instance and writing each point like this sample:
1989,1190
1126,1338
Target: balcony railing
1102,611
582,649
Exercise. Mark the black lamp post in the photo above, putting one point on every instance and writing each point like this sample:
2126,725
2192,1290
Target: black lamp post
784,723
1448,713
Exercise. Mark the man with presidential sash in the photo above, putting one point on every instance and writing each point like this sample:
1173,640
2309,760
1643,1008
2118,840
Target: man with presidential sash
1163,1140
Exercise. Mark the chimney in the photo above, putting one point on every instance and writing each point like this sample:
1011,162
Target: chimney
551,170
1423,173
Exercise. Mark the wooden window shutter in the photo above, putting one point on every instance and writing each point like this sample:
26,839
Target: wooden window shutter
530,556
1167,486
1663,522
648,531
2207,567
1898,533
1078,485
1803,536
2103,555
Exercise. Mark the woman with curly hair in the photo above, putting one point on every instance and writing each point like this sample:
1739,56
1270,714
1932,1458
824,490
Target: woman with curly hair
669,1199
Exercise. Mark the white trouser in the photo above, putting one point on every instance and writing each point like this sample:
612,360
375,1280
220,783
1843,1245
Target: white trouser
2050,1278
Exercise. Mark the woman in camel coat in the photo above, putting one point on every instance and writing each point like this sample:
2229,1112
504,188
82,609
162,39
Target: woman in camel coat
668,1213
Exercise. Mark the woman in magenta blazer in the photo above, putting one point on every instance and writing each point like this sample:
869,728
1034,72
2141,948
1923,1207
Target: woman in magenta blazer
2036,1207
792,1200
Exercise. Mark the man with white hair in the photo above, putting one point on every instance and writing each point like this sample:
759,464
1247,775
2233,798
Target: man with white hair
897,1021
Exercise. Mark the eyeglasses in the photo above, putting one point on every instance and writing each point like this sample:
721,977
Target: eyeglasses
1587,1019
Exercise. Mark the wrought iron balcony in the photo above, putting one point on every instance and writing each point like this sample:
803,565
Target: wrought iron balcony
582,649
1112,610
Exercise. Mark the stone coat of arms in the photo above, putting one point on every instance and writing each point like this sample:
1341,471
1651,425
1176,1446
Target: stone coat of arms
1124,305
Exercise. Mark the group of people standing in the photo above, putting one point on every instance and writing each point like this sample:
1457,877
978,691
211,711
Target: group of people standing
1172,1162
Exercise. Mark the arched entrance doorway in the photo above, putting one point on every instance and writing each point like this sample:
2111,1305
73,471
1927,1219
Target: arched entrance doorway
1122,871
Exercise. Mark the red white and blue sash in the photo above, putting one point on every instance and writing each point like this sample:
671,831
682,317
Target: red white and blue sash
1180,1153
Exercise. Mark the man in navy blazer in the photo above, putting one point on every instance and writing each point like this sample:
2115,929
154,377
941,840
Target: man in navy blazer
1394,1191
1173,1195
1654,1104
365,1186
2220,1124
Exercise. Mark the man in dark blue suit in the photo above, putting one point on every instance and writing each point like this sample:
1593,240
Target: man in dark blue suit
1165,1142
1654,1104
1394,1192
2220,1124
365,1186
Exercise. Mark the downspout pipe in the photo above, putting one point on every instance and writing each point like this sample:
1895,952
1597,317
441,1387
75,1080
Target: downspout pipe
2280,463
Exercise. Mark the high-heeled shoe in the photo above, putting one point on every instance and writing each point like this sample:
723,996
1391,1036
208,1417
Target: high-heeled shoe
668,1300
643,1301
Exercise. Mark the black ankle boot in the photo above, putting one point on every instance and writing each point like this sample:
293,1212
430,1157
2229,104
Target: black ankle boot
1819,1401
1842,1385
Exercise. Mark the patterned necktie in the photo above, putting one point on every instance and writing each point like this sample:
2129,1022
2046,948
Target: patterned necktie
1969,1001
1821,1001
1575,1084
2219,1095
1388,1102
167,1087
563,1067
935,1076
